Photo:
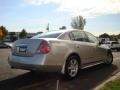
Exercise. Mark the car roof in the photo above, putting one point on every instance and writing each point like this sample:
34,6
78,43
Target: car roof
65,30
59,31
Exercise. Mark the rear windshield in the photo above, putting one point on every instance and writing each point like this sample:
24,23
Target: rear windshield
47,35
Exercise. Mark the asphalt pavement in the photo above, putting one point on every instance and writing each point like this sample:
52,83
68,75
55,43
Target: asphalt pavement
88,79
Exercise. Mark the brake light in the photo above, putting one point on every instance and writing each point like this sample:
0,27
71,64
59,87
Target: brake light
44,47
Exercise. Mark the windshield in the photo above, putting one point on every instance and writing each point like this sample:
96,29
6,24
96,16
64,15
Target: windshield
47,35
114,42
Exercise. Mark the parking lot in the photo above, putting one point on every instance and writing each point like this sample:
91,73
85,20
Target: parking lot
88,79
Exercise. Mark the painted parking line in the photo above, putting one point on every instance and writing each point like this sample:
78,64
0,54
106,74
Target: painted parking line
57,85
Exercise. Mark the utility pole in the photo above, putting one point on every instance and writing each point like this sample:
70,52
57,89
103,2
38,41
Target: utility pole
47,28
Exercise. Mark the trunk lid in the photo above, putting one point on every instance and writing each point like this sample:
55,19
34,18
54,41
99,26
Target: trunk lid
26,47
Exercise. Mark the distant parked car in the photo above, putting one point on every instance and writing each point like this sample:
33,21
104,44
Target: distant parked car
65,51
114,45
4,45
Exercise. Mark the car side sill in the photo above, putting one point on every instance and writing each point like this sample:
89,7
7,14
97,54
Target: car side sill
92,64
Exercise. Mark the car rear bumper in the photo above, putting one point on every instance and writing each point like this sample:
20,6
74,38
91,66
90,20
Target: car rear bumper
43,68
30,63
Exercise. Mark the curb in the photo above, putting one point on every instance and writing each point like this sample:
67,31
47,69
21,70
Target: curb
106,81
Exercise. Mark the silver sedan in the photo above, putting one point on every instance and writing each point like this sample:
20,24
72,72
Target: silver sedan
64,51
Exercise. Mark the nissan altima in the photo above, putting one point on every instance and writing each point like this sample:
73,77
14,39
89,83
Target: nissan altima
64,51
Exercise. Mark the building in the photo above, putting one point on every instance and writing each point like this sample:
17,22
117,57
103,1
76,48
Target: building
13,36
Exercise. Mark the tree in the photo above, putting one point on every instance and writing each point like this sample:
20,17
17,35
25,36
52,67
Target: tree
118,36
3,32
114,37
63,27
105,35
78,22
23,34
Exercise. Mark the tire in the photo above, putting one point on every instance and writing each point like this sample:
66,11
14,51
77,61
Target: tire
109,59
33,71
118,50
72,67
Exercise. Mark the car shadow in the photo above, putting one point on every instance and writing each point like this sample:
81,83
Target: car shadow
86,80
27,79
91,77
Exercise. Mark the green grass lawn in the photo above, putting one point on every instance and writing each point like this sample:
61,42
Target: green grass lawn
112,85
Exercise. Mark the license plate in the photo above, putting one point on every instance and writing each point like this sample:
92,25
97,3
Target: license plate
22,49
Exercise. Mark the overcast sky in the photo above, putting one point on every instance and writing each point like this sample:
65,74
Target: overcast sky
34,15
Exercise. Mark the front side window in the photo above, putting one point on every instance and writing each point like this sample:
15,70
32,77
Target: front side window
92,38
78,36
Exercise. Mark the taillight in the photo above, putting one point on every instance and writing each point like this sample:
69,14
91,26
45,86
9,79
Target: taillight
44,47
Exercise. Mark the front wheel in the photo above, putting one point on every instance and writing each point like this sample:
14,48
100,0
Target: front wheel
118,50
109,58
72,67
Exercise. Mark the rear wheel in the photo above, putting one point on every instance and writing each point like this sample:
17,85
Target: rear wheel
72,67
109,58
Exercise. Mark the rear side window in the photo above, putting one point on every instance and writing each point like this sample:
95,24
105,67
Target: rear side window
65,36
47,35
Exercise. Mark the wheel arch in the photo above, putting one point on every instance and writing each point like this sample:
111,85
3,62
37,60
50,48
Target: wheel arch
109,51
73,53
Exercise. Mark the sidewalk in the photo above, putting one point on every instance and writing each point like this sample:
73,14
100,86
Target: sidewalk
106,81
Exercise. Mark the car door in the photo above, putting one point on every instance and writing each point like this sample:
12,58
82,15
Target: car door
86,51
98,52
